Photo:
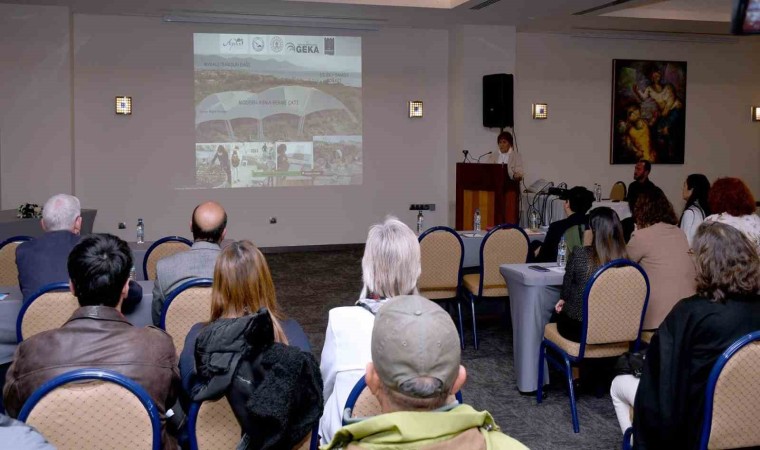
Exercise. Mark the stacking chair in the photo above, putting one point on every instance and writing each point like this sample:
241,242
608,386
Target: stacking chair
8,269
505,244
185,306
160,249
362,403
48,309
618,192
441,278
91,409
614,304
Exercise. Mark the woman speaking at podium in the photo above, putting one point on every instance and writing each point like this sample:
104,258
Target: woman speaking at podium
507,155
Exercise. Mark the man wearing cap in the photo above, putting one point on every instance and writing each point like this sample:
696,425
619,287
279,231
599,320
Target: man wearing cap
414,371
578,201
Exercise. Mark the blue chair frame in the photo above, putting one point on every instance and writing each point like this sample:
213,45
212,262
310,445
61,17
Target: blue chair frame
358,388
456,298
481,271
19,238
192,423
567,360
156,244
198,282
99,375
52,287
712,381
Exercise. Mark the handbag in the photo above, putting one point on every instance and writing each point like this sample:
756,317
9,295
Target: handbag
630,363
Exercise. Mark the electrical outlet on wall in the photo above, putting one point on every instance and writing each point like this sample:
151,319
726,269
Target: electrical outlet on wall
273,220
422,207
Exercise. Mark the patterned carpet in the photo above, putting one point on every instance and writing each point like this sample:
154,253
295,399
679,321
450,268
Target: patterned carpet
310,284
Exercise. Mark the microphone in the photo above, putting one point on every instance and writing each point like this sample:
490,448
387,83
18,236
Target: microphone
466,155
484,154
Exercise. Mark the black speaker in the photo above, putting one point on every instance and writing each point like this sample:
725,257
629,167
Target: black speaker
498,111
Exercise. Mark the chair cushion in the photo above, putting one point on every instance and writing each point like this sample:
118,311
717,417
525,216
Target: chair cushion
592,351
471,282
646,336
437,294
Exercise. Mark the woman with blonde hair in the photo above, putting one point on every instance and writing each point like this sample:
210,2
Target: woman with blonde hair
390,267
242,286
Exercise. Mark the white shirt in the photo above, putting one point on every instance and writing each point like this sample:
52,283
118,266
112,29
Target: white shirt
690,221
512,159
748,224
345,355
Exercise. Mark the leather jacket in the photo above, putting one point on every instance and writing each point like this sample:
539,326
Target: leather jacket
97,337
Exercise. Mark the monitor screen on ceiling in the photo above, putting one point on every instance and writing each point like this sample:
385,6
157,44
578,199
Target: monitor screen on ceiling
745,18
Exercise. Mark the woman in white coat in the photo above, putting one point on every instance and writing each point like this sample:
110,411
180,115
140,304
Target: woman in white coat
695,190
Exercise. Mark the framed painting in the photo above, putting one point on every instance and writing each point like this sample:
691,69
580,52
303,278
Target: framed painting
648,111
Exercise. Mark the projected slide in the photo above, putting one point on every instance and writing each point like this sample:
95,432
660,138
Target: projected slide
277,110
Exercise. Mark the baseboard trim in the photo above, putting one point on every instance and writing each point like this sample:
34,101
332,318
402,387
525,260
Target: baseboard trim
312,248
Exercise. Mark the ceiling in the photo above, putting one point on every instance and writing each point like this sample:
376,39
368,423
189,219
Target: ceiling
568,16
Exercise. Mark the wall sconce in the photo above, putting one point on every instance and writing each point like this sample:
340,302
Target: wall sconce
756,113
540,111
415,108
124,105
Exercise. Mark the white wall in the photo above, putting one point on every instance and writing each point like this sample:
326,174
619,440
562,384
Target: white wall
126,167
35,104
574,76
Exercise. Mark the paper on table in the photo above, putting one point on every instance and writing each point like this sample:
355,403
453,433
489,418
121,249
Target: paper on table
470,235
557,269
3,295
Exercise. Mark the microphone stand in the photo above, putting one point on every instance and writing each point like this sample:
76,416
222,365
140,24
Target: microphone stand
484,154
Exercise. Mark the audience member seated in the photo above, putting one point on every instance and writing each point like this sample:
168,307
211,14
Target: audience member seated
390,267
639,184
415,368
607,244
695,191
578,201
661,248
242,286
273,389
97,335
209,225
669,401
20,436
42,260
731,202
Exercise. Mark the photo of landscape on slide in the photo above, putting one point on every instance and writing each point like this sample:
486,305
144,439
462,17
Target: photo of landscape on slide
277,110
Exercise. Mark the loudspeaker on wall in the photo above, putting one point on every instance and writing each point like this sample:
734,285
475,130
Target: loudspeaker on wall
498,110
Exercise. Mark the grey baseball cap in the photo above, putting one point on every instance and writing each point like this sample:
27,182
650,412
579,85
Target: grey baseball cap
414,337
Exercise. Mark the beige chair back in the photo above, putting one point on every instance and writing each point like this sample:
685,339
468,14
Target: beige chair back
615,302
216,426
441,264
617,193
503,246
92,415
47,312
8,269
191,306
366,405
160,252
736,404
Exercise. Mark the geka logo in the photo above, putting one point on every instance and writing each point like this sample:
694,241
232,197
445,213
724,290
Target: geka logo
233,43
302,48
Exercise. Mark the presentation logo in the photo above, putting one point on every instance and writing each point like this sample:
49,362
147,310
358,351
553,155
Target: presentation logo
302,48
276,44
257,44
329,46
233,43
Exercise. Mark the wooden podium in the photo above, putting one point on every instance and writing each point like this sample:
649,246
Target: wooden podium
488,187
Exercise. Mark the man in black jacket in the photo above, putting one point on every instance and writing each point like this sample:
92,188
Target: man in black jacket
578,201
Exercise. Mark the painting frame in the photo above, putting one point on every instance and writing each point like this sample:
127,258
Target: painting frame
648,117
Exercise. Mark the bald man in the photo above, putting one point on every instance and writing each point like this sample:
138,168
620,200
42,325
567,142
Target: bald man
209,225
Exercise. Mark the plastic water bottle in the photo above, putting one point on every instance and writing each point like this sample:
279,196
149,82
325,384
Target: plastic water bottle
562,253
533,221
140,231
420,223
598,192
133,274
476,220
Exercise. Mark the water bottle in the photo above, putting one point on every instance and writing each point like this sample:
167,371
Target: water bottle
598,192
420,223
133,274
533,221
476,220
140,231
562,253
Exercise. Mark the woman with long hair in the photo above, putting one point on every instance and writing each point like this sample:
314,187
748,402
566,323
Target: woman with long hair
732,203
695,191
669,402
607,244
390,268
242,285
662,250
